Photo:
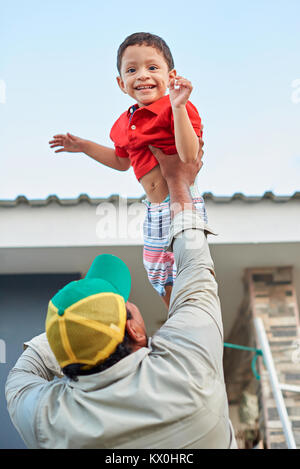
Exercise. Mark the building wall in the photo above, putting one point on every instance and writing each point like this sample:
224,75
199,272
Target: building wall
269,295
23,307
117,221
273,299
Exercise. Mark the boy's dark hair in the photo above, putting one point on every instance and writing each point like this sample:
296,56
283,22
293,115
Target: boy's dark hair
122,350
147,39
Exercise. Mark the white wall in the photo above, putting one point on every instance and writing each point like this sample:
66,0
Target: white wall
121,224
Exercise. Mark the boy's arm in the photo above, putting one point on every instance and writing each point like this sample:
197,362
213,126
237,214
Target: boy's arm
105,155
100,153
186,139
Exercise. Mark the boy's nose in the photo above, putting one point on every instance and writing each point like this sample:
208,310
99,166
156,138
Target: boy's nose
143,74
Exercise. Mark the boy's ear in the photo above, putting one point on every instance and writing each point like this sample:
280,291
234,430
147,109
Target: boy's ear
121,84
172,73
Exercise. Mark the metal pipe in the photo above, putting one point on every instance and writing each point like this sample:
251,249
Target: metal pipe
289,387
280,404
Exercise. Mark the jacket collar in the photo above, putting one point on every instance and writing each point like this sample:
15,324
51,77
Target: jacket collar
115,373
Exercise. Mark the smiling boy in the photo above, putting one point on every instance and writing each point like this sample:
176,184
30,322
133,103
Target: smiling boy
168,122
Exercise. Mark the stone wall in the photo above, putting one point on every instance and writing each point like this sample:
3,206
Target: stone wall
270,295
273,299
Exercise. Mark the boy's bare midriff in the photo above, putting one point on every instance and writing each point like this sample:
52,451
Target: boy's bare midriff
155,185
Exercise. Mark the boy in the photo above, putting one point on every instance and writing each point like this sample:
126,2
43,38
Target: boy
171,123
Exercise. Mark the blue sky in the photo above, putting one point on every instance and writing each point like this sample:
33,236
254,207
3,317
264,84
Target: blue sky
57,65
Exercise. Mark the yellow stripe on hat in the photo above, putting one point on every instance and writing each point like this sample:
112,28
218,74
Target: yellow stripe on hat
65,340
115,331
51,314
88,299
108,330
96,324
83,313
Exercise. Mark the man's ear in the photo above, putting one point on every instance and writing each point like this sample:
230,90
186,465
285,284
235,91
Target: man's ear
121,84
135,332
131,329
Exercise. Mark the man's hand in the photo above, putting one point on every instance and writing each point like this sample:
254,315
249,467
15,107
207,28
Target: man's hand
69,143
179,176
173,168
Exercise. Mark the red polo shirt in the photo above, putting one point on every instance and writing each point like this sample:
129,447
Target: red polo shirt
148,125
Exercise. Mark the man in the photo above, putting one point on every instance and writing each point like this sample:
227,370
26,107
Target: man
119,391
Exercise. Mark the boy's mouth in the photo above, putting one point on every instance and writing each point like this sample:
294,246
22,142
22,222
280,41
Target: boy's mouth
145,87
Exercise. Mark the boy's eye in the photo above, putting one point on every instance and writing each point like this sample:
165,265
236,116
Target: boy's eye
153,67
131,70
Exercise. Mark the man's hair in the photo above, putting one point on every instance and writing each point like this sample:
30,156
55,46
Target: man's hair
146,39
122,350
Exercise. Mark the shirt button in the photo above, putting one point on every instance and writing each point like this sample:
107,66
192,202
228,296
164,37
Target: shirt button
133,127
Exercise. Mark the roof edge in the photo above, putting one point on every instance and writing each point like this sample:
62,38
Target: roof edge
114,198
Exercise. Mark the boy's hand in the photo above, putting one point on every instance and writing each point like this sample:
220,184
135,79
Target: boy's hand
68,142
180,90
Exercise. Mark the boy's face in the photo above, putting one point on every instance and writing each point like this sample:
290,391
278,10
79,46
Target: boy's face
145,75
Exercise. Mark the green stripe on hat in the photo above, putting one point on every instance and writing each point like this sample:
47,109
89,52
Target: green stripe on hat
78,290
113,270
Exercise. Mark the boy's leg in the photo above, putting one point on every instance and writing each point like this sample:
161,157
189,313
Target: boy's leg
198,202
159,264
200,207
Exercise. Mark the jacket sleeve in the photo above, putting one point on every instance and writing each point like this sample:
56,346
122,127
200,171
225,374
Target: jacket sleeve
194,319
25,383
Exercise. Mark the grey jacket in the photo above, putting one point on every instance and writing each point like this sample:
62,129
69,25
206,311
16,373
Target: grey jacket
170,394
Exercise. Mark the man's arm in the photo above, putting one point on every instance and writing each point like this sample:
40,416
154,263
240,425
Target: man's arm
179,176
194,300
192,337
25,384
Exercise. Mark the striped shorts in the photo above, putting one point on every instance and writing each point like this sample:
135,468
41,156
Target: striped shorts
159,264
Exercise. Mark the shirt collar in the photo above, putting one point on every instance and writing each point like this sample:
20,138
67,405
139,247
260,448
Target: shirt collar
155,107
